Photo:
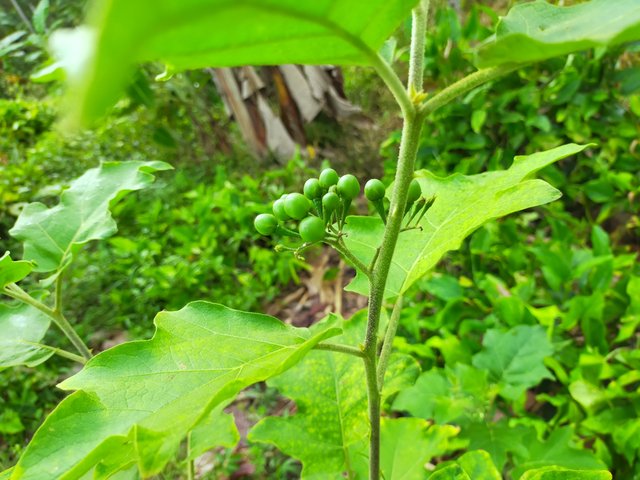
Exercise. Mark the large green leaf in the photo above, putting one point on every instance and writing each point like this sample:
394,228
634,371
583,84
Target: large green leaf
13,271
52,235
328,434
515,358
222,33
475,465
22,327
138,400
559,473
462,204
538,30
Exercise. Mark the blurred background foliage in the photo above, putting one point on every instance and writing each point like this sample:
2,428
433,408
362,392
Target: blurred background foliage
570,268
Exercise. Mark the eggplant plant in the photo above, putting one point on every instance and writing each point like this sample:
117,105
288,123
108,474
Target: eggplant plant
132,407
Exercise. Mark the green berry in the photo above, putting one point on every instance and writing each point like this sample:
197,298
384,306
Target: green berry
328,177
312,189
278,210
311,229
265,224
374,190
330,202
414,192
348,186
296,206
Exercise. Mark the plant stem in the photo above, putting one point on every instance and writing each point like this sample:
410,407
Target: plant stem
394,84
374,417
191,465
14,291
333,347
411,129
342,249
58,351
387,344
419,17
22,15
464,85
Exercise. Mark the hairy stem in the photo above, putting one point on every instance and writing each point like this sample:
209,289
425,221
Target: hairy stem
416,56
346,253
334,347
387,344
393,84
463,86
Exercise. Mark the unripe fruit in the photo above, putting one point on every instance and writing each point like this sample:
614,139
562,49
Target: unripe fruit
265,224
311,229
348,186
374,190
328,177
278,210
330,202
312,189
414,192
296,206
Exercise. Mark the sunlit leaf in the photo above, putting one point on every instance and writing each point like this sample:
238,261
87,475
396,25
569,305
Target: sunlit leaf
140,399
219,33
538,30
13,271
462,204
52,235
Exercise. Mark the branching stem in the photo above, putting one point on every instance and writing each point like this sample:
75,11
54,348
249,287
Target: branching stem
14,291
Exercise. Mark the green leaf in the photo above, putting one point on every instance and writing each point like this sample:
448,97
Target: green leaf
407,444
6,474
218,429
557,450
452,394
139,399
328,434
515,358
40,14
476,465
497,438
13,271
51,236
559,473
21,328
462,204
219,33
538,30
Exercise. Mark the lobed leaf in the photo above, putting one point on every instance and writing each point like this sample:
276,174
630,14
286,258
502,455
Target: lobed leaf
222,33
539,30
22,327
134,403
13,271
52,235
462,204
515,358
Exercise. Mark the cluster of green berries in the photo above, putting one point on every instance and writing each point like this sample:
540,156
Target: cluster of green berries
323,206
320,210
